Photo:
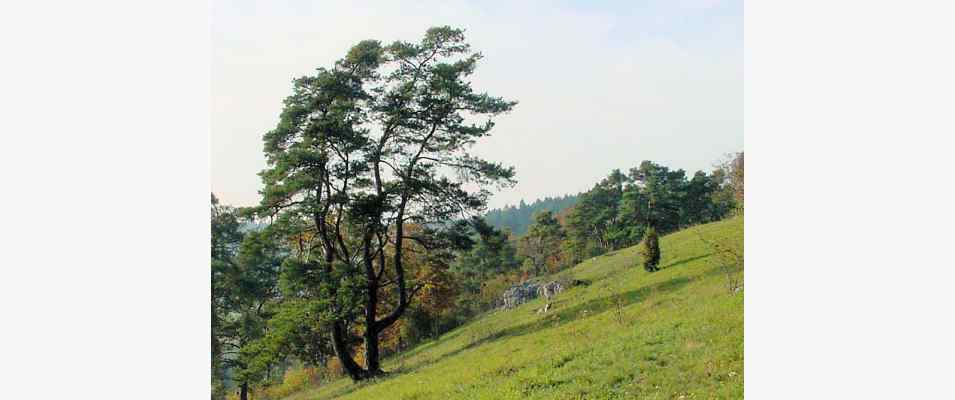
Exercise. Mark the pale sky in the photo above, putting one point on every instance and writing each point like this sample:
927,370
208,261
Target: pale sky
601,84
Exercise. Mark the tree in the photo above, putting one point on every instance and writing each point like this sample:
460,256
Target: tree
729,177
541,245
616,212
635,210
244,287
364,148
666,190
518,220
650,250
491,253
698,206
736,180
226,238
253,293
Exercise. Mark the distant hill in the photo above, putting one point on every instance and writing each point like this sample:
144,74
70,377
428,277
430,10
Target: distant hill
518,218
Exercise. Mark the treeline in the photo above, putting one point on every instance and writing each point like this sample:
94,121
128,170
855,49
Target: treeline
619,209
614,214
518,218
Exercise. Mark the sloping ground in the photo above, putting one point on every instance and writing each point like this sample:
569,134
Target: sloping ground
673,334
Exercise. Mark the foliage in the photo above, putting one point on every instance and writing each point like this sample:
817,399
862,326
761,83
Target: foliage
294,380
432,314
491,253
729,175
541,245
244,288
735,173
224,244
595,220
618,210
297,329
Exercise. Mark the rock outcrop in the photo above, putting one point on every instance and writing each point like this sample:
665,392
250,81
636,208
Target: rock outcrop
527,291
519,294
549,289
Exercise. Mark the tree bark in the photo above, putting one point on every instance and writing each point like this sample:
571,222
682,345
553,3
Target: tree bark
372,362
244,391
354,371
339,343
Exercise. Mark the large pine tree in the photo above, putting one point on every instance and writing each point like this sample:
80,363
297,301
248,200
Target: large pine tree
363,149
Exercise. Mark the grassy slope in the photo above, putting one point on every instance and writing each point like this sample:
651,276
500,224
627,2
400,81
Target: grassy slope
681,336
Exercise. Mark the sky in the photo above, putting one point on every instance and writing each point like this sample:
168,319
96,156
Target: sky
600,84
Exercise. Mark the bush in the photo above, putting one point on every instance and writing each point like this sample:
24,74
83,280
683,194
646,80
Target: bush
334,368
295,380
650,250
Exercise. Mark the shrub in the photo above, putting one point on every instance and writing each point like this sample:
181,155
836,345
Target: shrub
334,368
295,380
650,250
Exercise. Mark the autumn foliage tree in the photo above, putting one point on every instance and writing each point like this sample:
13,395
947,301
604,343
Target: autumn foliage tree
363,149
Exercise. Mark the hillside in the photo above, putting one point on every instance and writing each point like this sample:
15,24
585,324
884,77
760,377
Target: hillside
673,334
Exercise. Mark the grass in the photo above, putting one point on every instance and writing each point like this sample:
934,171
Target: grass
672,334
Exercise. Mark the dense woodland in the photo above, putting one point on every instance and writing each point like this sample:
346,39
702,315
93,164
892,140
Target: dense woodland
517,219
369,238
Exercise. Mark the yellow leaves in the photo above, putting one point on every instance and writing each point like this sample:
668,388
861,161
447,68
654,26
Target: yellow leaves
294,380
301,242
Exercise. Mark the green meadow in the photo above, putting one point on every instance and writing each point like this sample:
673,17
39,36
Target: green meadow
672,334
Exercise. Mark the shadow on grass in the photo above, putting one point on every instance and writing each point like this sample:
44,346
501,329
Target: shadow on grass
556,318
685,260
560,317
638,264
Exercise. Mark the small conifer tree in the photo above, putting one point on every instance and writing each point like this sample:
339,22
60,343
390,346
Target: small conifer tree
650,250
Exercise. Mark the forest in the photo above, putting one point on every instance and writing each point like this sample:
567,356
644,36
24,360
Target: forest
372,234
518,218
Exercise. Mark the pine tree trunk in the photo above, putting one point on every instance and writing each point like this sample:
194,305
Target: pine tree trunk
372,363
339,344
355,372
372,357
244,391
